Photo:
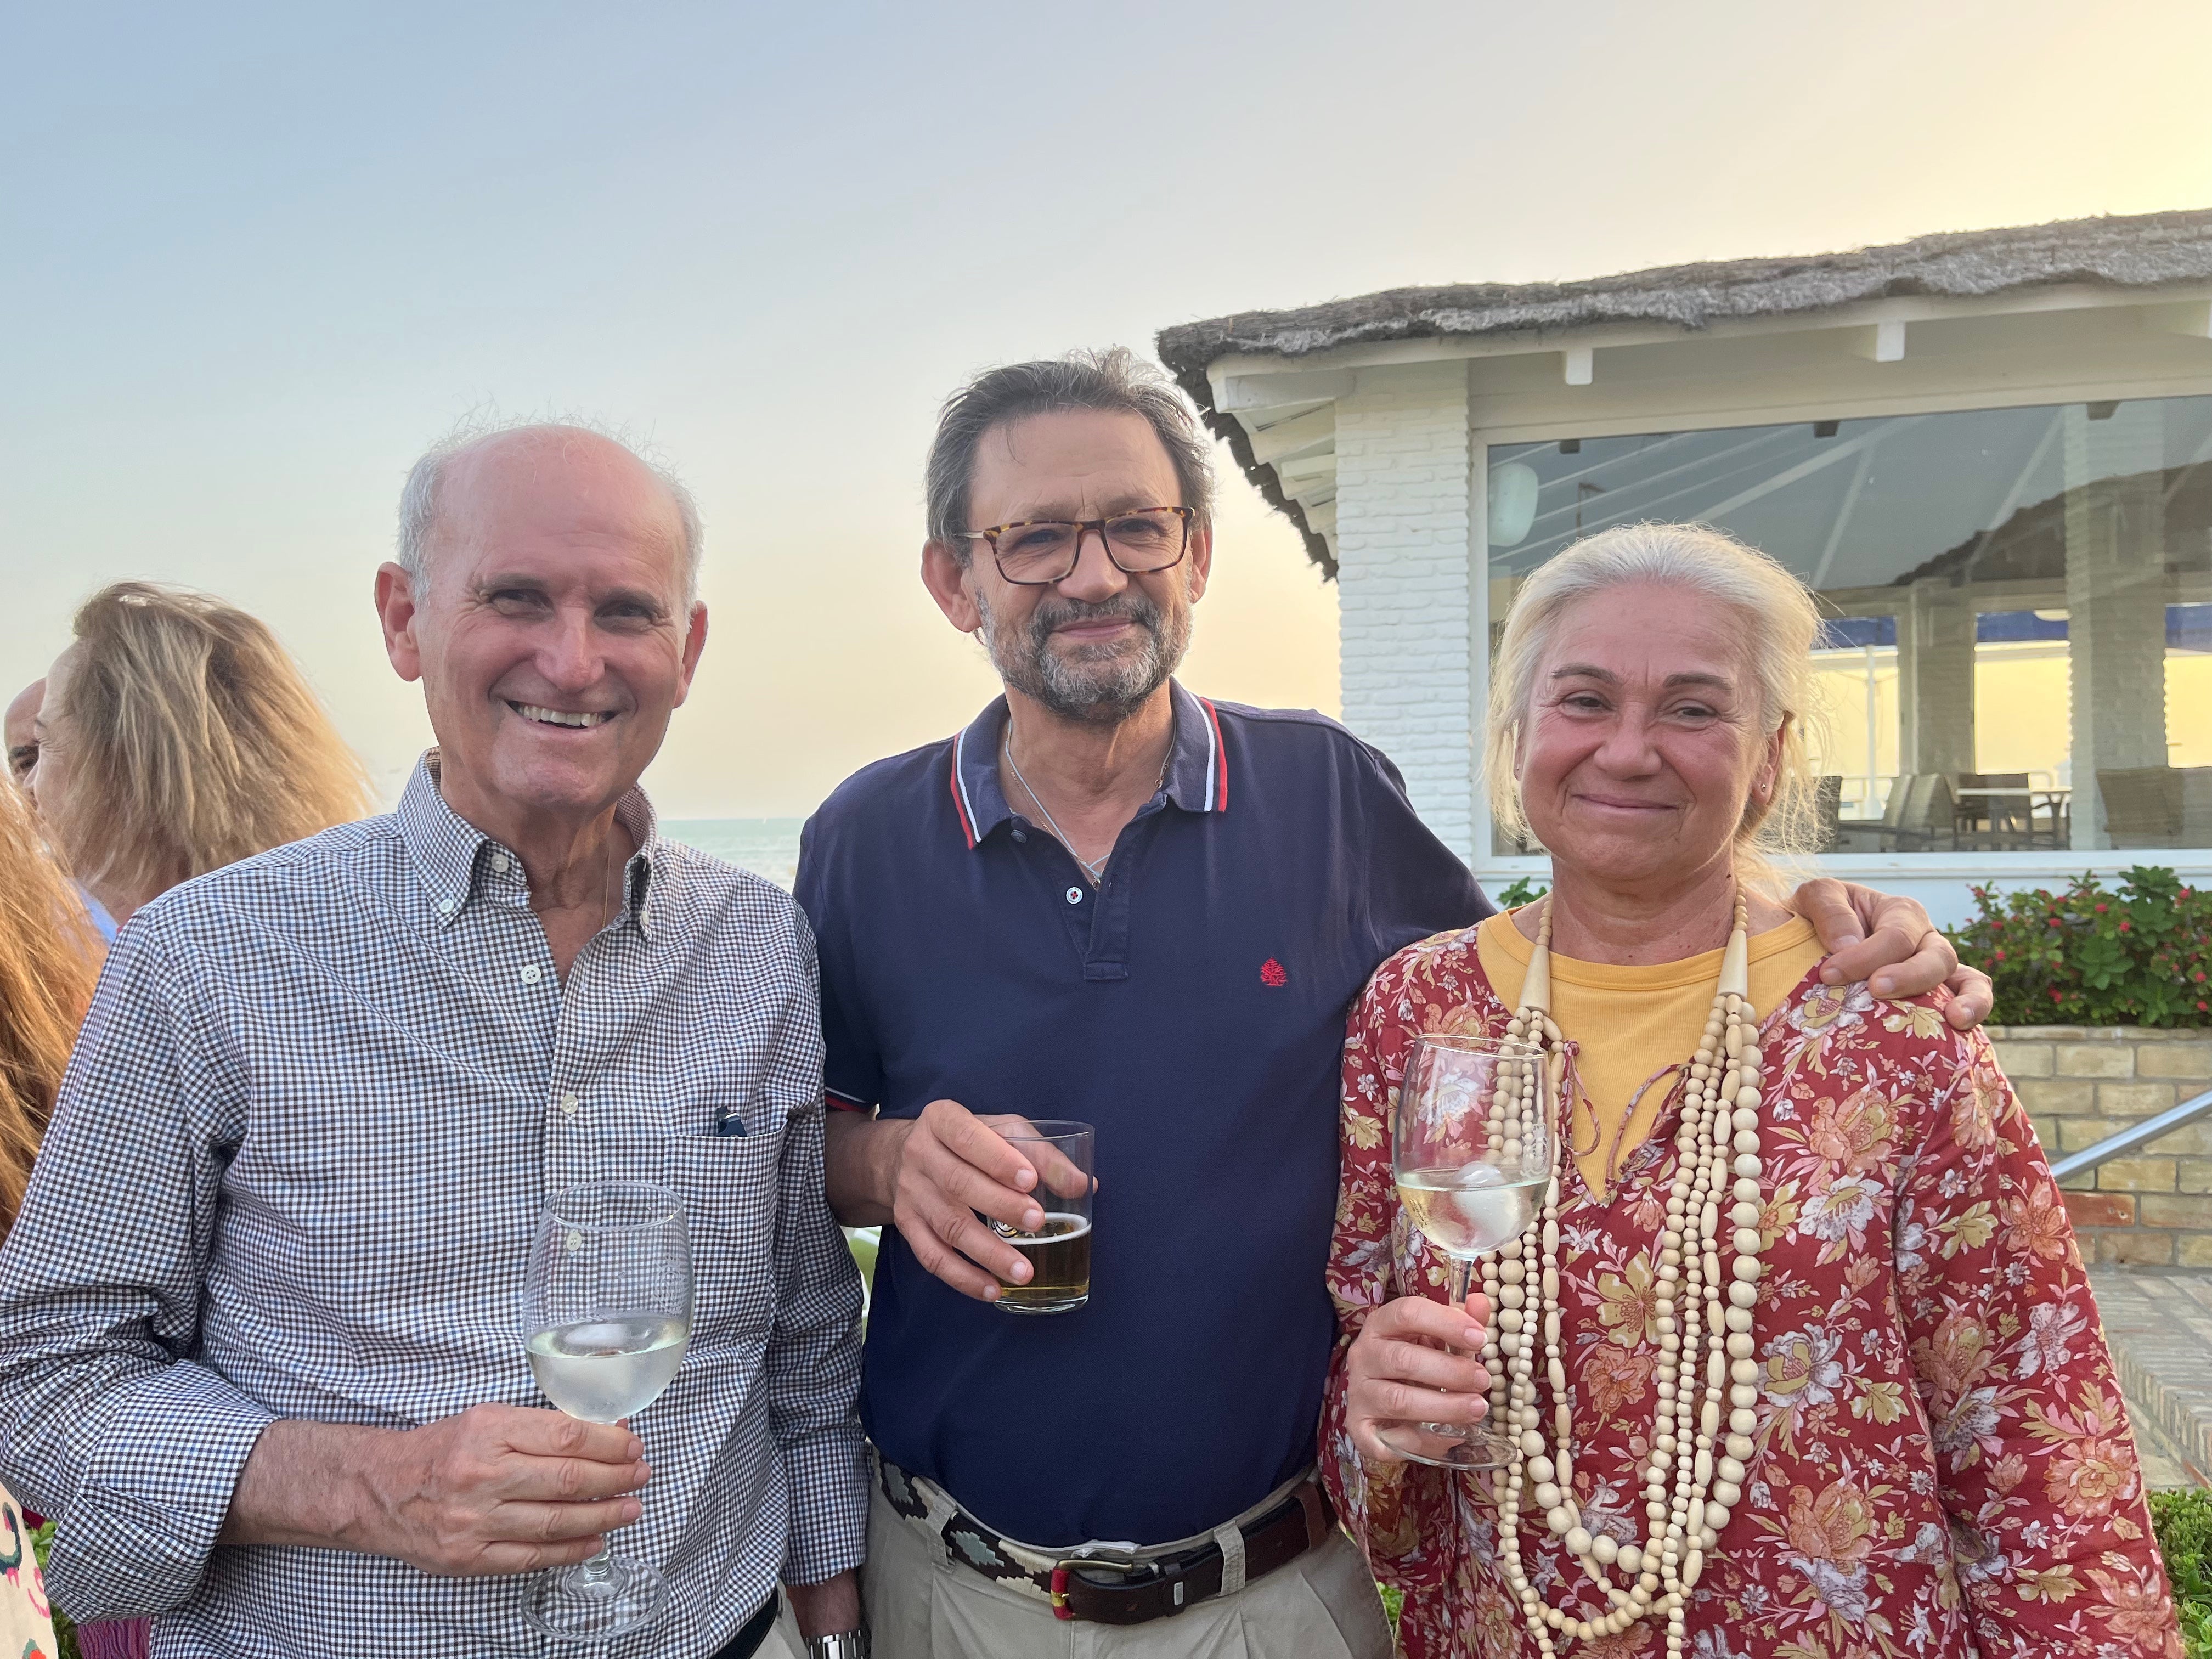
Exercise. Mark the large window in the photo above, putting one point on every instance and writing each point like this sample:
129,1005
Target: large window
2019,651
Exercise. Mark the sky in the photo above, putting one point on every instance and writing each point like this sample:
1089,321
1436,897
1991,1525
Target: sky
254,259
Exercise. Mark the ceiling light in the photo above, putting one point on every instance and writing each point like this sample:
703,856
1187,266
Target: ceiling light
1514,487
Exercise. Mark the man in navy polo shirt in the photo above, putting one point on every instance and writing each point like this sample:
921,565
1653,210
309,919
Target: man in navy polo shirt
1110,900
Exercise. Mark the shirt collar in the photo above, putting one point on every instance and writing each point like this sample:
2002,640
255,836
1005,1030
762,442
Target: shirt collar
1197,777
458,863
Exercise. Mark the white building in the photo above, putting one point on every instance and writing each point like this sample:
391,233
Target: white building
1989,453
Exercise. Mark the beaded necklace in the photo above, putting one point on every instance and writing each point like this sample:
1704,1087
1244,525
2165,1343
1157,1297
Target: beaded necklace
1717,1171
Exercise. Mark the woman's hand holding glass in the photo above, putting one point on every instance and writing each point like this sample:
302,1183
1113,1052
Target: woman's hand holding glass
1415,1362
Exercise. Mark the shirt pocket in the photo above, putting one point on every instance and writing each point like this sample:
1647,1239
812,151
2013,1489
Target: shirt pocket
746,1116
730,1186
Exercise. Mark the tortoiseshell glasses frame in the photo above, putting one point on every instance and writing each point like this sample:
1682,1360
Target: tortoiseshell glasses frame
1038,552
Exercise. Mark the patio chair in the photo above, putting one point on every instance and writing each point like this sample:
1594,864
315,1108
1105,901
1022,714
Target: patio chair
2142,805
1931,820
2195,805
1828,810
1920,816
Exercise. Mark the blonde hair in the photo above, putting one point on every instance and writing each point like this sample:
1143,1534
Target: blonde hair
1781,623
193,741
49,956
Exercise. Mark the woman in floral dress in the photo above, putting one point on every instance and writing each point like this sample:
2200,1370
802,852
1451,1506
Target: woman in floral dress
1938,1462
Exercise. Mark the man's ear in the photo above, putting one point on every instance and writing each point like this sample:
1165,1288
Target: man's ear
694,641
396,610
1201,556
946,579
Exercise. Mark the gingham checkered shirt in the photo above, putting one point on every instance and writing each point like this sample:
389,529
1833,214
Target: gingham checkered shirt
319,1102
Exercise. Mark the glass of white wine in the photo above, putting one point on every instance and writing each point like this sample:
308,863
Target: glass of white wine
1467,1192
606,1314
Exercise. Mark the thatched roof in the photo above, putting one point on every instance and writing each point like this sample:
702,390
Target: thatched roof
2143,251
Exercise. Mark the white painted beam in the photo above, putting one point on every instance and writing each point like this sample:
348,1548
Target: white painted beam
2191,316
1884,343
1294,474
1581,364
1298,435
1235,393
1321,516
1252,420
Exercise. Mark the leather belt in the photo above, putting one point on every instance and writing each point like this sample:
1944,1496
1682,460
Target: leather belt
1102,1590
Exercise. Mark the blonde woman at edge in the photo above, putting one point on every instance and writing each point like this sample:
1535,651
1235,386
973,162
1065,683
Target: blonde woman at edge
1810,1365
178,736
48,957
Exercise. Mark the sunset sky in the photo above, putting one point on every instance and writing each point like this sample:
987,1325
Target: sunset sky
256,259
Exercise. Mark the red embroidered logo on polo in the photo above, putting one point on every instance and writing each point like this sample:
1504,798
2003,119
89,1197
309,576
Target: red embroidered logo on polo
1273,975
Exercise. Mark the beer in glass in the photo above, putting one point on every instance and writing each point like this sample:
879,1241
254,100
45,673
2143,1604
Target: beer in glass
1059,1251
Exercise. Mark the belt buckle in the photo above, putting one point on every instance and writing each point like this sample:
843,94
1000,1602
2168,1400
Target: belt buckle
1060,1569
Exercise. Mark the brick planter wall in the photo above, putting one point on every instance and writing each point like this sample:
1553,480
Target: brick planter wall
2080,1084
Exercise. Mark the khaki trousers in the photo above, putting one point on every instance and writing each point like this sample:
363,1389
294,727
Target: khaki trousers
922,1606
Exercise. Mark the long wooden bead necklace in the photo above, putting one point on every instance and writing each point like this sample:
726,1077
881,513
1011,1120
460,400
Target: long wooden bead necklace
1701,1440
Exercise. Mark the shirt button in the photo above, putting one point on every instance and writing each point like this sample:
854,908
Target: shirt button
446,907
529,973
569,1104
1075,896
499,862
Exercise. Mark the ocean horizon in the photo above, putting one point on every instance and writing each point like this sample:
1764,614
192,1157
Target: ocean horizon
767,846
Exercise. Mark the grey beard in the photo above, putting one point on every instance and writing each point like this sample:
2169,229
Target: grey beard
1098,685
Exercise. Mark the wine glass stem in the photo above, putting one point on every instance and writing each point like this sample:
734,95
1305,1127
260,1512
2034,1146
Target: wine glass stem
600,1566
1462,1277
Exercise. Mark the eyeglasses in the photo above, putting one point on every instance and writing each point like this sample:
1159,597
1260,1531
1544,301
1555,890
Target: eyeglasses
1038,552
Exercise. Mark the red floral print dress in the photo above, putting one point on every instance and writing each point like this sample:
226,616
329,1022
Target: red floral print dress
1944,1467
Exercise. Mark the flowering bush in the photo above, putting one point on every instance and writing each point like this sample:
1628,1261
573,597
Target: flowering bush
2137,954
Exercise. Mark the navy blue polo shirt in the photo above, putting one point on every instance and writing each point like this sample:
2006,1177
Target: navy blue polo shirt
1192,1008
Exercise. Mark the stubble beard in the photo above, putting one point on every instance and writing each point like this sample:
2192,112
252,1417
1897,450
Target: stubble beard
1099,684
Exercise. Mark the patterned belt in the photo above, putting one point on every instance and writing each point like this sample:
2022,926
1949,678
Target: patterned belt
1105,1586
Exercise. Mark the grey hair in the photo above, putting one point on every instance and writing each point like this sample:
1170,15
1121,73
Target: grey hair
1114,381
1781,625
426,480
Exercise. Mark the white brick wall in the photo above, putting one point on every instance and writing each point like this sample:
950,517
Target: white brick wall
1402,529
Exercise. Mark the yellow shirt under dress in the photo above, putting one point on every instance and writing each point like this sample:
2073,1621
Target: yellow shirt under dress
1629,1022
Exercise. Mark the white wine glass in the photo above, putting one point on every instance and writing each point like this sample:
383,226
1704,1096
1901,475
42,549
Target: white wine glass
1468,1190
606,1314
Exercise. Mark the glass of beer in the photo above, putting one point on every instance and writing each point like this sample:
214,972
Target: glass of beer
1059,1251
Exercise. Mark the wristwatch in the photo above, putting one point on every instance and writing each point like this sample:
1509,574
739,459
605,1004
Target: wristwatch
845,1645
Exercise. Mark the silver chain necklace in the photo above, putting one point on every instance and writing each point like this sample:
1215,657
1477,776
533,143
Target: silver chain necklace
1094,869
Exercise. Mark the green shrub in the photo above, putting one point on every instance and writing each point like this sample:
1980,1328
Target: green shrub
2183,1524
2137,954
1521,892
862,1242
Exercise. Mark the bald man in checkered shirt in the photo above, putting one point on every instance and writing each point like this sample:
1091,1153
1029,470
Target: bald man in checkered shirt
260,1348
